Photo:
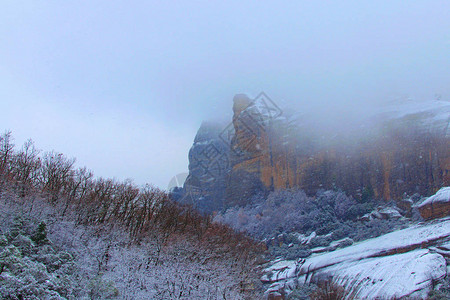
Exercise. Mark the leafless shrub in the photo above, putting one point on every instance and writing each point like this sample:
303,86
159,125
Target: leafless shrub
328,290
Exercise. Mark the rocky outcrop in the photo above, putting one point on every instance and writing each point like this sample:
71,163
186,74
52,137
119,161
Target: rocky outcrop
399,264
436,206
252,163
386,213
405,152
209,167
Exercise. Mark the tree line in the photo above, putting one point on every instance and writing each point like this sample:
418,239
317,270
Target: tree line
143,211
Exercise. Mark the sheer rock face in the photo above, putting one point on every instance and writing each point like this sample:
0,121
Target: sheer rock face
248,156
402,153
208,169
264,152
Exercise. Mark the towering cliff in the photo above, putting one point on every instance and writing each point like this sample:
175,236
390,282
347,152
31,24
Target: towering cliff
406,151
209,166
251,160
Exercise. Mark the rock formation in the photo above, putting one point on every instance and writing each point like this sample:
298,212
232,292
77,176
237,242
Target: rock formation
436,206
407,152
204,187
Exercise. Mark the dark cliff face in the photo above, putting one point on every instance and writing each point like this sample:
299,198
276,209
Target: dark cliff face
265,151
208,169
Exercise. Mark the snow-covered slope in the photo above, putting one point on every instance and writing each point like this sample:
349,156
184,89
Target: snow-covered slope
401,263
394,276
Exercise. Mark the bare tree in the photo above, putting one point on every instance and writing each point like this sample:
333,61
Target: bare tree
55,173
6,153
25,168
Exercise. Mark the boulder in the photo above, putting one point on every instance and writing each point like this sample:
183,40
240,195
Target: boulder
390,213
333,245
405,205
386,213
436,206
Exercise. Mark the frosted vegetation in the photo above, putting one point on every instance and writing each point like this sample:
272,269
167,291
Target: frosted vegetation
65,234
285,218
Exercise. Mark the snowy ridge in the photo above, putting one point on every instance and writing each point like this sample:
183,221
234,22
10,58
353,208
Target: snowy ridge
439,109
263,111
430,115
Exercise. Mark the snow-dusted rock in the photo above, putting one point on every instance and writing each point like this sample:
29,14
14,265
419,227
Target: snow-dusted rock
319,249
400,263
333,246
433,114
281,270
405,206
445,246
366,217
382,213
419,236
341,243
390,213
436,206
306,240
282,276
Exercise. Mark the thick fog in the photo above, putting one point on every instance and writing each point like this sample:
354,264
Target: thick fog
123,86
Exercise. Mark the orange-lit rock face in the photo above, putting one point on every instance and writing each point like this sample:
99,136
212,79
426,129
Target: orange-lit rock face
268,153
257,149
391,164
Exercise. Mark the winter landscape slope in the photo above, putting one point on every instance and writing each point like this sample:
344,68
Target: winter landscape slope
407,262
65,234
349,214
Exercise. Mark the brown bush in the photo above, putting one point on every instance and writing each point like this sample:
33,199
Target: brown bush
329,290
143,212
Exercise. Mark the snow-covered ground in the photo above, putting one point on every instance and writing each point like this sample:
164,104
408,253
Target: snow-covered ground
401,263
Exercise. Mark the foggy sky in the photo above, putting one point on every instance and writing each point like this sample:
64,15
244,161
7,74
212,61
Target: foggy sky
124,85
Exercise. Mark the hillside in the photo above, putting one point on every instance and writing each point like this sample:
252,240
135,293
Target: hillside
65,234
405,263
